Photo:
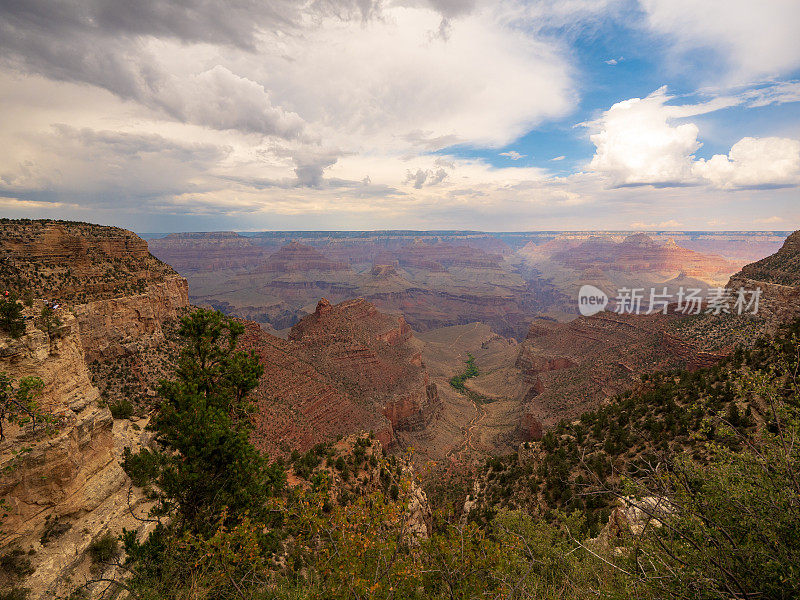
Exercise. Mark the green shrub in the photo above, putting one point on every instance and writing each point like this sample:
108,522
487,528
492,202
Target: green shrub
11,319
121,409
104,549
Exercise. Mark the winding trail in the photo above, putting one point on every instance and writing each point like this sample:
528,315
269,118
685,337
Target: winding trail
480,415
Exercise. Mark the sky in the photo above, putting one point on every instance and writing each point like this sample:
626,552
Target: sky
495,115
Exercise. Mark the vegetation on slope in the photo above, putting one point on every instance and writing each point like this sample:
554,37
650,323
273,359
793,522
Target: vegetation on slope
457,381
707,461
669,414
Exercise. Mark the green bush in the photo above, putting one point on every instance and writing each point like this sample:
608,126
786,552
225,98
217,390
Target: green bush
121,409
104,549
11,319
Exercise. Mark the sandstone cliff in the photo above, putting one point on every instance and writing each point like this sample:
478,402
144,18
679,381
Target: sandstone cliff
344,369
215,251
778,277
571,368
74,263
117,306
63,486
122,296
299,257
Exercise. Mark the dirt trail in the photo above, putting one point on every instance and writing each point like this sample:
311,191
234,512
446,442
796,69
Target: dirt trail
480,414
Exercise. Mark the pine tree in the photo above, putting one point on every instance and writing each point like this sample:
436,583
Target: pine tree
205,465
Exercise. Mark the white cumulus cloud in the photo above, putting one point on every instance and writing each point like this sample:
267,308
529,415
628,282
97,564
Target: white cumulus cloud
637,143
645,141
754,162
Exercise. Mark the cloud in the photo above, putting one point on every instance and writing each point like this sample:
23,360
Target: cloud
754,163
779,92
637,144
641,141
428,177
753,41
97,167
614,61
513,155
557,158
770,220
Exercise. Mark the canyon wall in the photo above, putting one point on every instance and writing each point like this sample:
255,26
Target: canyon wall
63,484
778,278
344,368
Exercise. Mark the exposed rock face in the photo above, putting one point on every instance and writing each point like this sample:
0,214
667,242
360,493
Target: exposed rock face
69,482
121,295
297,257
215,251
572,367
122,326
433,282
640,253
52,480
75,262
438,257
344,368
778,276
531,428
372,355
781,268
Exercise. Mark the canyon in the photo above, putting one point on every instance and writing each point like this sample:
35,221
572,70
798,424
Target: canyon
444,278
373,331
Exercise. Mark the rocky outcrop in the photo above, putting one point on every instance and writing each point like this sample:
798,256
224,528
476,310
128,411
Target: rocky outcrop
124,325
639,253
778,278
531,429
64,481
297,257
570,368
344,368
118,291
214,251
438,257
75,263
434,281
62,484
373,355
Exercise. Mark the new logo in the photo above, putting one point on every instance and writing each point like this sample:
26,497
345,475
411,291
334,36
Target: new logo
591,300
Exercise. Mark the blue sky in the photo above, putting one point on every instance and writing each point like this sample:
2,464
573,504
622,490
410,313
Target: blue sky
383,114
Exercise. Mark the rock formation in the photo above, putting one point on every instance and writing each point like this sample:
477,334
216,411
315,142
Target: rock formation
297,257
63,485
128,300
215,251
344,368
571,368
68,481
432,280
778,278
75,263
